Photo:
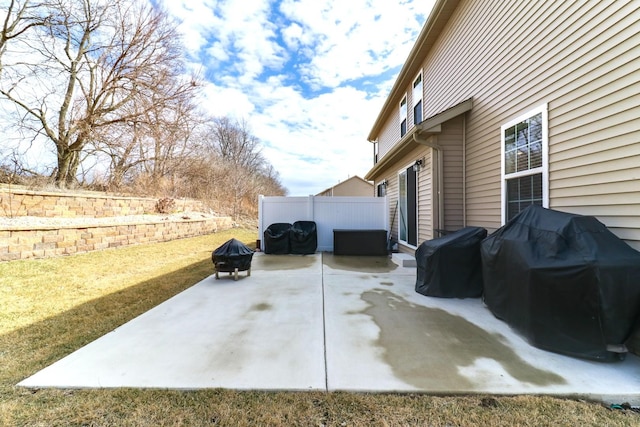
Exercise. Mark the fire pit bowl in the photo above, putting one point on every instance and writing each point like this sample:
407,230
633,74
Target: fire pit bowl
231,257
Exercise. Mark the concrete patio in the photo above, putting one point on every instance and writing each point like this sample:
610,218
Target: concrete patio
323,322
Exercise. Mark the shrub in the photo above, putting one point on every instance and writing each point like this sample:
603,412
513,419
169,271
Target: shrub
165,205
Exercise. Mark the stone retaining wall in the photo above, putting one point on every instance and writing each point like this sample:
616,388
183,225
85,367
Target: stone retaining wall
31,240
46,242
18,201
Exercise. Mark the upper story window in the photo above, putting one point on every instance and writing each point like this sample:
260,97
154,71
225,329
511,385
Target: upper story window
417,99
375,152
403,116
525,169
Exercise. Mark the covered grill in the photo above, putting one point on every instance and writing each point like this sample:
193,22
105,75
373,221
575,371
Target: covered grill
564,281
450,266
231,257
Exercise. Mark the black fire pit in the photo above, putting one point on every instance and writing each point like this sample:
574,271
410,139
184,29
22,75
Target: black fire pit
231,257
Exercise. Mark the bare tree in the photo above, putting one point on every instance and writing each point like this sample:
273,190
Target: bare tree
119,146
103,80
269,183
158,141
233,142
88,69
169,135
20,16
246,172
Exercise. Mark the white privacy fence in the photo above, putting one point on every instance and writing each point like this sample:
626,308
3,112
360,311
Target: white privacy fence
329,213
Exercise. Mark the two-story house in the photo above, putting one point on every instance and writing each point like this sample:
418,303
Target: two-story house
503,104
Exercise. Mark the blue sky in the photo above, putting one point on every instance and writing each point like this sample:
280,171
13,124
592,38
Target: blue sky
309,76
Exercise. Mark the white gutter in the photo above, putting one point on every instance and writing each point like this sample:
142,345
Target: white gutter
464,170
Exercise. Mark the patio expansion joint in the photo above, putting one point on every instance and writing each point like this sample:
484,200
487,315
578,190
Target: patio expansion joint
324,326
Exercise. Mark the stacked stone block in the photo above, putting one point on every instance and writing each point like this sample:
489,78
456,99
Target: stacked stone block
20,242
16,202
50,242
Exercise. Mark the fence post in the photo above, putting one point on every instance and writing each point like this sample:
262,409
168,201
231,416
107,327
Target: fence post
387,225
310,208
260,219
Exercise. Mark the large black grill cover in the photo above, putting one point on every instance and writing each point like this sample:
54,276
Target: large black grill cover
276,238
564,281
451,266
303,237
231,255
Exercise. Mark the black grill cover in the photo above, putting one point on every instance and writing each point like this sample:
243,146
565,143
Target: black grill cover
564,281
276,238
303,237
451,266
232,254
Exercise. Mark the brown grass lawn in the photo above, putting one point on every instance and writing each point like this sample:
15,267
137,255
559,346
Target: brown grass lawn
49,308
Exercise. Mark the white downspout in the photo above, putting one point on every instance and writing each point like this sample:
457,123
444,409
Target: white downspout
439,177
464,170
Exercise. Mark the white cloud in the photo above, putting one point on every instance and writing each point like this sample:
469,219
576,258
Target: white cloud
294,36
295,70
221,28
355,38
197,19
216,52
317,141
226,101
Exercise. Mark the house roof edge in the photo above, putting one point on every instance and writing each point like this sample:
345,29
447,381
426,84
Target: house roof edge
422,128
438,18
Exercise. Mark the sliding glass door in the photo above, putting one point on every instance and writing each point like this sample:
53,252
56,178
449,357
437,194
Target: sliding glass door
408,206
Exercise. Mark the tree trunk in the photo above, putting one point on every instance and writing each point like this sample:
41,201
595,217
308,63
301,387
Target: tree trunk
68,162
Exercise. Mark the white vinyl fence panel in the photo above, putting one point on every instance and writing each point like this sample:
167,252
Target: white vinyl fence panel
329,213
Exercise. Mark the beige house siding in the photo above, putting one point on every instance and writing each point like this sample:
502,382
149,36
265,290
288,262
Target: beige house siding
390,133
424,194
425,214
392,192
580,58
588,76
451,139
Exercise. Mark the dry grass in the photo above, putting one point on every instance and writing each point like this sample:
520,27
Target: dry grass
49,308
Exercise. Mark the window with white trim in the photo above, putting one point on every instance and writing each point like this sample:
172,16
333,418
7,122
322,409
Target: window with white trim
403,116
417,99
525,169
376,147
